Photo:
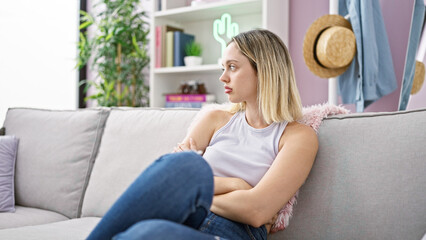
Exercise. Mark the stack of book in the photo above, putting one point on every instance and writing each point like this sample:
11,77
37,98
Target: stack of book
188,100
170,46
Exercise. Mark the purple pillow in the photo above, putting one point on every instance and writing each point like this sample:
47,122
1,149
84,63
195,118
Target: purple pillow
8,151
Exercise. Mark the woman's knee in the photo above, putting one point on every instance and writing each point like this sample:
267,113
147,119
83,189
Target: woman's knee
188,162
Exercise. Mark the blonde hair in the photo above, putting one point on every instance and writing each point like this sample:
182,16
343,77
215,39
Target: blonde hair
277,94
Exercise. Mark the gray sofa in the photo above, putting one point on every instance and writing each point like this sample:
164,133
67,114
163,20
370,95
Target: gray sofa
368,180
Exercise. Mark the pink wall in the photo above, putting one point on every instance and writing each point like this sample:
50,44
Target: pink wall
314,90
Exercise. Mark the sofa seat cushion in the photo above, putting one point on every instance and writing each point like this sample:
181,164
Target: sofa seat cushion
132,139
76,229
25,216
55,155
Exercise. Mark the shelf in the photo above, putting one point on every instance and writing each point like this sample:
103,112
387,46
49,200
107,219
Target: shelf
210,10
198,20
195,69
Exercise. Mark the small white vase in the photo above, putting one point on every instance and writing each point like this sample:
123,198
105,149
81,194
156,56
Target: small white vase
192,61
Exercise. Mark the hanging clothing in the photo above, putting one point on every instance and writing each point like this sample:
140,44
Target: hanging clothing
410,59
371,74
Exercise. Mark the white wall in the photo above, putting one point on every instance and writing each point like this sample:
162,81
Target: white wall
37,54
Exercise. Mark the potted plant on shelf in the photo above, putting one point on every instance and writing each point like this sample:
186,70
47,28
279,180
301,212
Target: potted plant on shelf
118,51
193,52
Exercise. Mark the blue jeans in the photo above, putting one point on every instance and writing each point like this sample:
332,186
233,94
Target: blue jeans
171,199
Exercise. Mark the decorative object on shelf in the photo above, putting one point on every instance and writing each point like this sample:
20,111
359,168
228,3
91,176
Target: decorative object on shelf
192,61
329,46
192,87
225,27
119,47
193,52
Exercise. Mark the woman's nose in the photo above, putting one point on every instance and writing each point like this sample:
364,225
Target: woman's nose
224,77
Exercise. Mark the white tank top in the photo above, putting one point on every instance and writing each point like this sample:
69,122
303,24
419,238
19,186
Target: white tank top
239,150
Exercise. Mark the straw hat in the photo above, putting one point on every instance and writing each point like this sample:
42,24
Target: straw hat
329,46
419,77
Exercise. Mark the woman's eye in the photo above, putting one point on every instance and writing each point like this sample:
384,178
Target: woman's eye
232,67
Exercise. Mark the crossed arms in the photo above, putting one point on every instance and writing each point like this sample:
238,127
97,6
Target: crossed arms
234,198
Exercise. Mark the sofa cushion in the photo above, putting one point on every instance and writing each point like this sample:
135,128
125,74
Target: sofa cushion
133,138
55,155
24,216
76,229
8,150
367,181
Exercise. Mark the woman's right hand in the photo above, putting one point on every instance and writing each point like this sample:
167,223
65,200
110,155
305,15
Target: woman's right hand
183,146
187,146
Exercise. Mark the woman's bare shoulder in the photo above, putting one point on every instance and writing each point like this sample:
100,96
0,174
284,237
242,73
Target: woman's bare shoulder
210,120
218,117
299,132
299,127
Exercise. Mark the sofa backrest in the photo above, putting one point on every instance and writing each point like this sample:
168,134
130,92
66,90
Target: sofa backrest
55,155
368,180
132,139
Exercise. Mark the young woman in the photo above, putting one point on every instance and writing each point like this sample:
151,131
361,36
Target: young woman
255,157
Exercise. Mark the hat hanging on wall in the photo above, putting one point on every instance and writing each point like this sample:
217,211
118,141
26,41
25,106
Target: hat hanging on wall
419,72
419,77
329,46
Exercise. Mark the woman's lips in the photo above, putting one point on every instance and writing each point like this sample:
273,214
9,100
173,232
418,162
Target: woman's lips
228,89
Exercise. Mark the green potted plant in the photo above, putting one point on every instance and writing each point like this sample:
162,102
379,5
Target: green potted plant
193,52
118,48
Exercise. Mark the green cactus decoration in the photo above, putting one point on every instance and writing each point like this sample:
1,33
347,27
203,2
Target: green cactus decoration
224,26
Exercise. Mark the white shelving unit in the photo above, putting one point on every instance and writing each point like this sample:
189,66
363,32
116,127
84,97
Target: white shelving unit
201,68
198,20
